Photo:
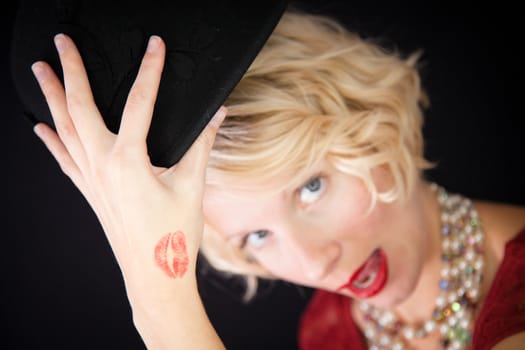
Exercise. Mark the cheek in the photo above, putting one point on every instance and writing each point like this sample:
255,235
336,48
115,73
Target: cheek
285,268
347,213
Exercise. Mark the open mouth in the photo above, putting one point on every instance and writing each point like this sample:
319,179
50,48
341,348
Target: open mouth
370,278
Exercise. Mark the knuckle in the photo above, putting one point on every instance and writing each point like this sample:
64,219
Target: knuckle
66,131
102,175
76,104
138,96
122,158
207,139
51,93
185,187
99,176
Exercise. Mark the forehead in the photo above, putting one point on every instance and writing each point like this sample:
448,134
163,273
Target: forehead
245,199
249,191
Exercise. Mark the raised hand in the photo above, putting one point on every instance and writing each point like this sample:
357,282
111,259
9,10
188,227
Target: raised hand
151,216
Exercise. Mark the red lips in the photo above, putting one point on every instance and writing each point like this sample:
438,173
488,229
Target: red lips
370,278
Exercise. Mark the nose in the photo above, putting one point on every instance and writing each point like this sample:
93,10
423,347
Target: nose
315,255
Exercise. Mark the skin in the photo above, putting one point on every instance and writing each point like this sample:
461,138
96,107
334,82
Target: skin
321,243
131,198
171,254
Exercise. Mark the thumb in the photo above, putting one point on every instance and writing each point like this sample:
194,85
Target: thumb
194,162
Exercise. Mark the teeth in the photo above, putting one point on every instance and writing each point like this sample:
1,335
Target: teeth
369,278
369,272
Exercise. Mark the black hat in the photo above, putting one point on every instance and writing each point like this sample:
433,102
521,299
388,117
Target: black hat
209,46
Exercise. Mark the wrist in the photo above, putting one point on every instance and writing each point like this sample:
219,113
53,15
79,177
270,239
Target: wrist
149,286
173,321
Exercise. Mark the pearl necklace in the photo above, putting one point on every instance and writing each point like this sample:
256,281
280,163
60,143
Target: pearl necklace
461,274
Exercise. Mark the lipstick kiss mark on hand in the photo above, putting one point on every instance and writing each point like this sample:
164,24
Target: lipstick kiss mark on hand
171,254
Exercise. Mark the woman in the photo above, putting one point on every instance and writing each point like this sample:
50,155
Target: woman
314,177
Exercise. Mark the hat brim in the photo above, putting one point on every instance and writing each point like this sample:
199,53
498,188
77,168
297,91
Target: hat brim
209,47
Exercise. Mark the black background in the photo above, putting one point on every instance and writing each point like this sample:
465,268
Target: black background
61,287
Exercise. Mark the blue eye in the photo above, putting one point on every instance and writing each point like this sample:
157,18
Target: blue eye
311,192
255,239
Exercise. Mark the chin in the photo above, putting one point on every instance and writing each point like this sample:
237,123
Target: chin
391,297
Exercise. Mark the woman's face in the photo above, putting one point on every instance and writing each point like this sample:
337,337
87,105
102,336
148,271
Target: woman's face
319,235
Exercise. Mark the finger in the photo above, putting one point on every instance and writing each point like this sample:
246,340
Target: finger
80,102
60,153
56,99
138,111
67,164
194,162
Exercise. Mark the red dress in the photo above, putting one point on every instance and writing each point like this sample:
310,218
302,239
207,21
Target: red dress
328,324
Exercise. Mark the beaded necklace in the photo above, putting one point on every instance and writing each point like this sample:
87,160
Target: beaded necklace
461,274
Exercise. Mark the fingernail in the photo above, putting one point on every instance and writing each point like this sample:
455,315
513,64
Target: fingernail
218,118
60,42
30,118
38,70
153,43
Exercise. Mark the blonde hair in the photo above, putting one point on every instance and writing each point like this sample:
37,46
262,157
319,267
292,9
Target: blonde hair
317,92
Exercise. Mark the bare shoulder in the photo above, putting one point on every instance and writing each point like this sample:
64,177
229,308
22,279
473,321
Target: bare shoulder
514,342
501,223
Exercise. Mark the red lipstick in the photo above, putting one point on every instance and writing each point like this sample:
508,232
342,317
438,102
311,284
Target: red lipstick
370,278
